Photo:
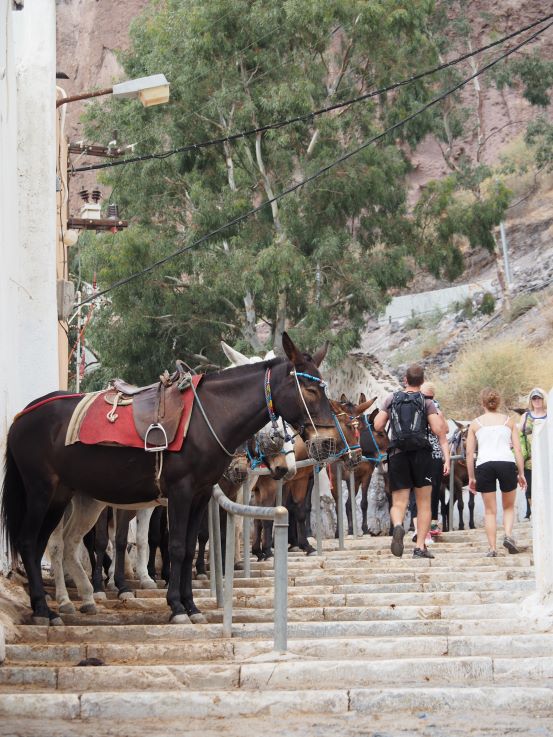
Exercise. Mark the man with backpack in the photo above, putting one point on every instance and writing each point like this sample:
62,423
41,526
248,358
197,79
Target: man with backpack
411,417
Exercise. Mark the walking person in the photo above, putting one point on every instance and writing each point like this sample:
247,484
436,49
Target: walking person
532,418
411,417
429,390
499,461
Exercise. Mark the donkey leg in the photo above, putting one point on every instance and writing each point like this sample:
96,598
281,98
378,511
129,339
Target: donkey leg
83,517
143,517
122,521
203,536
256,546
101,540
154,541
472,526
460,504
187,599
51,521
178,513
364,508
55,551
267,548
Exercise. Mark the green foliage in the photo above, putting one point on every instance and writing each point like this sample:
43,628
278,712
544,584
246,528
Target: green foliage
539,135
533,71
487,306
318,261
520,305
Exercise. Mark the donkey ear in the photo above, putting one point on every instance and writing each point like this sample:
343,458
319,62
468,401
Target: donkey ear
518,410
343,399
363,406
363,398
235,357
290,349
373,415
319,355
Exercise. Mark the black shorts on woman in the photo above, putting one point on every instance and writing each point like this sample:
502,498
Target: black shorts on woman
489,473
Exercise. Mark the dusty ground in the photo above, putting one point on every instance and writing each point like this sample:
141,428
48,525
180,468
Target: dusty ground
351,725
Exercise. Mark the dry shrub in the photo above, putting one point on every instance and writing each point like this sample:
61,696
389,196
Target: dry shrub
511,367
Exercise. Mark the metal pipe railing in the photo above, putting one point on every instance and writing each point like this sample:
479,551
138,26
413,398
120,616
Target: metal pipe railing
279,515
340,506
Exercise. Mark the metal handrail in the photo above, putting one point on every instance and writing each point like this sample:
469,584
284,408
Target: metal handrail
224,594
222,584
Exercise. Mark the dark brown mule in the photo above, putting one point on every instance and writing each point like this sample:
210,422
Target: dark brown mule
42,472
374,446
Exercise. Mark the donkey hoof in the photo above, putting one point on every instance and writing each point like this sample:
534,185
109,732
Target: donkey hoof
41,621
293,549
147,583
88,609
201,576
239,565
310,552
198,618
67,608
124,595
56,622
100,596
180,619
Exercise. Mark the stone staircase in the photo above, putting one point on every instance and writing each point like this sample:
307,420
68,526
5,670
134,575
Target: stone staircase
370,637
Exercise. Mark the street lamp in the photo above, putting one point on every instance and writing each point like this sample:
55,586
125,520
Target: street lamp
153,90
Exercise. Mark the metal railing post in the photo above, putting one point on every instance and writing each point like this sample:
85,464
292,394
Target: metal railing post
340,506
451,492
212,583
246,529
217,555
353,502
280,527
229,577
317,500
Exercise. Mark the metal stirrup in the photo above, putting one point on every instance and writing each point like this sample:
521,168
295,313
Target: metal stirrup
157,448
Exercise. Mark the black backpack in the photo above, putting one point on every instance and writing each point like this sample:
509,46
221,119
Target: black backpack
408,421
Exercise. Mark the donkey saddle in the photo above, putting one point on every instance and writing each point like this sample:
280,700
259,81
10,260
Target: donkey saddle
156,408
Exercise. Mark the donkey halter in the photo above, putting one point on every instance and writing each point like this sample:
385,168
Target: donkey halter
356,421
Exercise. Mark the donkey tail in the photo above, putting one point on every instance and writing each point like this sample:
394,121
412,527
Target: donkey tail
13,507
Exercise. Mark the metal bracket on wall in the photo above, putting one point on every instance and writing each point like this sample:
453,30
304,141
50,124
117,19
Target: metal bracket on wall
18,4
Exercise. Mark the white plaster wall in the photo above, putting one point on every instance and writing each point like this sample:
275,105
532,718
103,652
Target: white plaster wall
28,314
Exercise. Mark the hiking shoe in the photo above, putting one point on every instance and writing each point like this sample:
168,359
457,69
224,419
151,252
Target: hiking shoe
414,538
491,554
397,541
510,544
418,553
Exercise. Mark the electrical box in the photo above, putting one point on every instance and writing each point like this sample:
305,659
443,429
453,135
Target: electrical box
90,211
65,292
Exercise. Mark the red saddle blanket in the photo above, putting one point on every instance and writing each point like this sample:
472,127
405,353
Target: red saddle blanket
95,429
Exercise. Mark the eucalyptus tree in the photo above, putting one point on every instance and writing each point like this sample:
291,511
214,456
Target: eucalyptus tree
316,261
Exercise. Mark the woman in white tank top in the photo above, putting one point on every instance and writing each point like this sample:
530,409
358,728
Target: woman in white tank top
499,461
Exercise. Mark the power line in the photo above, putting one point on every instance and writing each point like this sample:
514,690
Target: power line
317,174
314,113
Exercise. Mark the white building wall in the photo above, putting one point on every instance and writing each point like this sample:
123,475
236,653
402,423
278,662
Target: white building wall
28,313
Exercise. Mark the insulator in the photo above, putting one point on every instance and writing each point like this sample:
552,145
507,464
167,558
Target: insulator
96,195
84,195
113,211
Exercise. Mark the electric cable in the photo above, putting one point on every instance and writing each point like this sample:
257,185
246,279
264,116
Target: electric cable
310,115
317,174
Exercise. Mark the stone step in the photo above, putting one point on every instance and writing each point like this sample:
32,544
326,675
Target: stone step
92,631
188,704
241,650
281,674
299,600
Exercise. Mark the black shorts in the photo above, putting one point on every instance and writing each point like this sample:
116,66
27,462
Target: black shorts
410,468
487,475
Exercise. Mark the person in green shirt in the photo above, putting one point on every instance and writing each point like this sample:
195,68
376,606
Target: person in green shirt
532,417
